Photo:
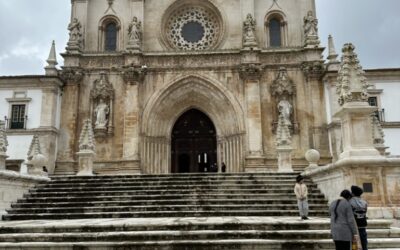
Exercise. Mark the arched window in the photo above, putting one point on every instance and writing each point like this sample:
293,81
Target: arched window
275,34
110,43
109,34
276,30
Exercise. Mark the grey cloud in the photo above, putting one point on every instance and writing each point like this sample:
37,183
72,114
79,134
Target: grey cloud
29,26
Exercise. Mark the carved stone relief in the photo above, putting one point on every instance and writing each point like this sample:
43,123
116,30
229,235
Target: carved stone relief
283,92
101,100
351,85
204,22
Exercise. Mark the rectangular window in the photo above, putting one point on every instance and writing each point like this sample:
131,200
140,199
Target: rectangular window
373,101
17,120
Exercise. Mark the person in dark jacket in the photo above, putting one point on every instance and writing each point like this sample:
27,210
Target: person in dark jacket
343,226
360,207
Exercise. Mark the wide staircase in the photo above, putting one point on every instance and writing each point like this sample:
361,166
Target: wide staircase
187,211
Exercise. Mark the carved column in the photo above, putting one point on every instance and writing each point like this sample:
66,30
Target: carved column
251,74
69,131
133,76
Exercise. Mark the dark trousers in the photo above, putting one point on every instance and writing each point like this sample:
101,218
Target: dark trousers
363,238
343,245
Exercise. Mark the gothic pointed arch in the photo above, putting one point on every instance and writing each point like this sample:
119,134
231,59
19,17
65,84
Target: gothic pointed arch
169,103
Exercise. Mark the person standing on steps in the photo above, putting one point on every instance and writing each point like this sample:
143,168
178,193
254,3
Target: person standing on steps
300,189
343,226
223,167
360,207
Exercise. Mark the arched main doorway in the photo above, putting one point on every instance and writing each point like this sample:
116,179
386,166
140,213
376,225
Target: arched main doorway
194,143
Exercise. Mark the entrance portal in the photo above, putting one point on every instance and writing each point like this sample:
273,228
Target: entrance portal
194,143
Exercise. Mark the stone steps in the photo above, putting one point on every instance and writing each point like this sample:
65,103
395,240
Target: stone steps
281,202
176,235
190,233
188,211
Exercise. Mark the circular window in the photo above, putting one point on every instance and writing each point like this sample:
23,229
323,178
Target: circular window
192,32
193,28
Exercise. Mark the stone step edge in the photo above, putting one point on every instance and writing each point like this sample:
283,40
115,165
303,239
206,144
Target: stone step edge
318,233
175,206
189,242
20,201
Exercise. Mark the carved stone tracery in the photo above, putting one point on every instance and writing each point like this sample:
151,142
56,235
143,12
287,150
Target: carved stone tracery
352,85
206,22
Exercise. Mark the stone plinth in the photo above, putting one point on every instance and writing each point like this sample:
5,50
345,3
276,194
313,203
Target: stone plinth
356,131
85,160
13,185
284,159
3,158
382,175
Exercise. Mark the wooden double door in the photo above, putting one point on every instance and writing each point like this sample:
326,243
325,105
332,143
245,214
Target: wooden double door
194,143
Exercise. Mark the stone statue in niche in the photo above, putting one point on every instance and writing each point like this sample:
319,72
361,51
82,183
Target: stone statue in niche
75,30
102,110
285,110
310,24
249,28
135,34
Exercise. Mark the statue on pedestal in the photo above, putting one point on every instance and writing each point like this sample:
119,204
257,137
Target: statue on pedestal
311,30
285,109
135,34
249,28
102,110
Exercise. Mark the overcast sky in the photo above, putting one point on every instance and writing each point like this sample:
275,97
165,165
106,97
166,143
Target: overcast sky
29,26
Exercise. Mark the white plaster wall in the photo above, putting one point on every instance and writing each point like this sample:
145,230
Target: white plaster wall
4,105
390,100
392,136
34,108
18,146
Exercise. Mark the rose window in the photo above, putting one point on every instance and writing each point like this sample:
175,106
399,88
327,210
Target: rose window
193,28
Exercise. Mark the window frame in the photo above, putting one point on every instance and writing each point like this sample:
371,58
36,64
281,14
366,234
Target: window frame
104,22
281,18
19,99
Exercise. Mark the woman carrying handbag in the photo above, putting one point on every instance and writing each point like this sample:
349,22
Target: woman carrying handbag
343,226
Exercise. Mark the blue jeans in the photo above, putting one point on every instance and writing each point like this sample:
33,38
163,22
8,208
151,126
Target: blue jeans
363,238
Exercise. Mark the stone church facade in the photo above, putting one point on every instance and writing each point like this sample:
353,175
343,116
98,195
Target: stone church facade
219,69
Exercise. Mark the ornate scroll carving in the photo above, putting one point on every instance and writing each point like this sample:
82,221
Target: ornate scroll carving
134,74
251,71
72,75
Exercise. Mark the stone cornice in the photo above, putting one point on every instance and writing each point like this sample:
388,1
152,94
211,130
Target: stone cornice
37,82
41,130
14,176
